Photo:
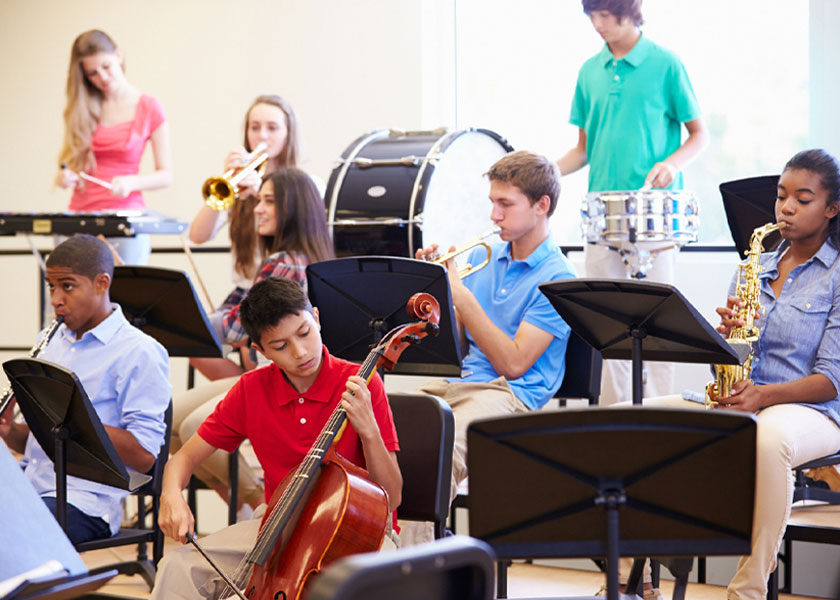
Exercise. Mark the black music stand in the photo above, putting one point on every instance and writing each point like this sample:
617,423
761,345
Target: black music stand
163,304
638,320
362,298
750,203
540,487
62,419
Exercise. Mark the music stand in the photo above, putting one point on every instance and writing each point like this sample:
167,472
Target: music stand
163,304
638,320
540,487
61,587
362,298
62,419
750,203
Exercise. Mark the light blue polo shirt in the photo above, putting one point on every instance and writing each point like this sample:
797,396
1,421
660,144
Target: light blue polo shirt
508,291
631,110
125,374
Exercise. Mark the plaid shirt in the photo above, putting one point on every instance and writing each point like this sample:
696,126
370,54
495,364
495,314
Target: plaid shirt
281,264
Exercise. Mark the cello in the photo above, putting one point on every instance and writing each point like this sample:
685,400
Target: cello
327,507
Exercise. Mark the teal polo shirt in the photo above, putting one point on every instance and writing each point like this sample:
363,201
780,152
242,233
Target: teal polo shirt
508,291
631,110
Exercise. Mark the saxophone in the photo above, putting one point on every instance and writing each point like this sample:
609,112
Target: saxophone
8,393
742,338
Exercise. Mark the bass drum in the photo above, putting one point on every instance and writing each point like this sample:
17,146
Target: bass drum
394,192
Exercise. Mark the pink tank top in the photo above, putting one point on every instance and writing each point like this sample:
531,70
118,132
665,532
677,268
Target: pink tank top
118,149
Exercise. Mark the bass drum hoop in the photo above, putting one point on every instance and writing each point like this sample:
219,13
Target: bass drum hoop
435,152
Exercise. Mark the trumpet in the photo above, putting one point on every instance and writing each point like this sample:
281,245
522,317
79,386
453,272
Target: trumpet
467,269
8,393
220,192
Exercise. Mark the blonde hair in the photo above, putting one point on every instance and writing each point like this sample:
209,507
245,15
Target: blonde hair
243,235
84,102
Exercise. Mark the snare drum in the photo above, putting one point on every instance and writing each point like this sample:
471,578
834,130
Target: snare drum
394,192
641,215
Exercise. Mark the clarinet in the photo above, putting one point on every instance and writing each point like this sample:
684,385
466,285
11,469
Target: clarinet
8,393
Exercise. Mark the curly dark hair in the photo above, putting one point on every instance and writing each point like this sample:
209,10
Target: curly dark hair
83,254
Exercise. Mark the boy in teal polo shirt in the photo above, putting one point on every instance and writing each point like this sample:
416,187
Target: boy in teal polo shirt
630,103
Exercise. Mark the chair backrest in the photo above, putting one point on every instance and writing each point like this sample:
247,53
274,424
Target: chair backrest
457,568
750,203
583,371
426,430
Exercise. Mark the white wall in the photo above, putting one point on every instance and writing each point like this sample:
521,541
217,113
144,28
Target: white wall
825,86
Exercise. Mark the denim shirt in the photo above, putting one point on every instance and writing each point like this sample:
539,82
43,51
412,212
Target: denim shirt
800,330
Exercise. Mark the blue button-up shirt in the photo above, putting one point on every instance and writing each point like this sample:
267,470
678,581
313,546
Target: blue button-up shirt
125,374
508,291
800,330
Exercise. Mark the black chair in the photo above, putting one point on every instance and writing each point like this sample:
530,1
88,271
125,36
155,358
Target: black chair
457,568
141,535
804,489
426,430
581,380
583,372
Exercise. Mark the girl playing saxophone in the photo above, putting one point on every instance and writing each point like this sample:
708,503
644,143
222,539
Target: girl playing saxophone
795,378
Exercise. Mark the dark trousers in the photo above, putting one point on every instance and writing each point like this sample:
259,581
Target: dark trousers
81,527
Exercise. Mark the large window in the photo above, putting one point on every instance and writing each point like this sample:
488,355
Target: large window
748,62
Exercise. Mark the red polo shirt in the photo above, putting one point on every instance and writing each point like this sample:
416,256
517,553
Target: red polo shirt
282,423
